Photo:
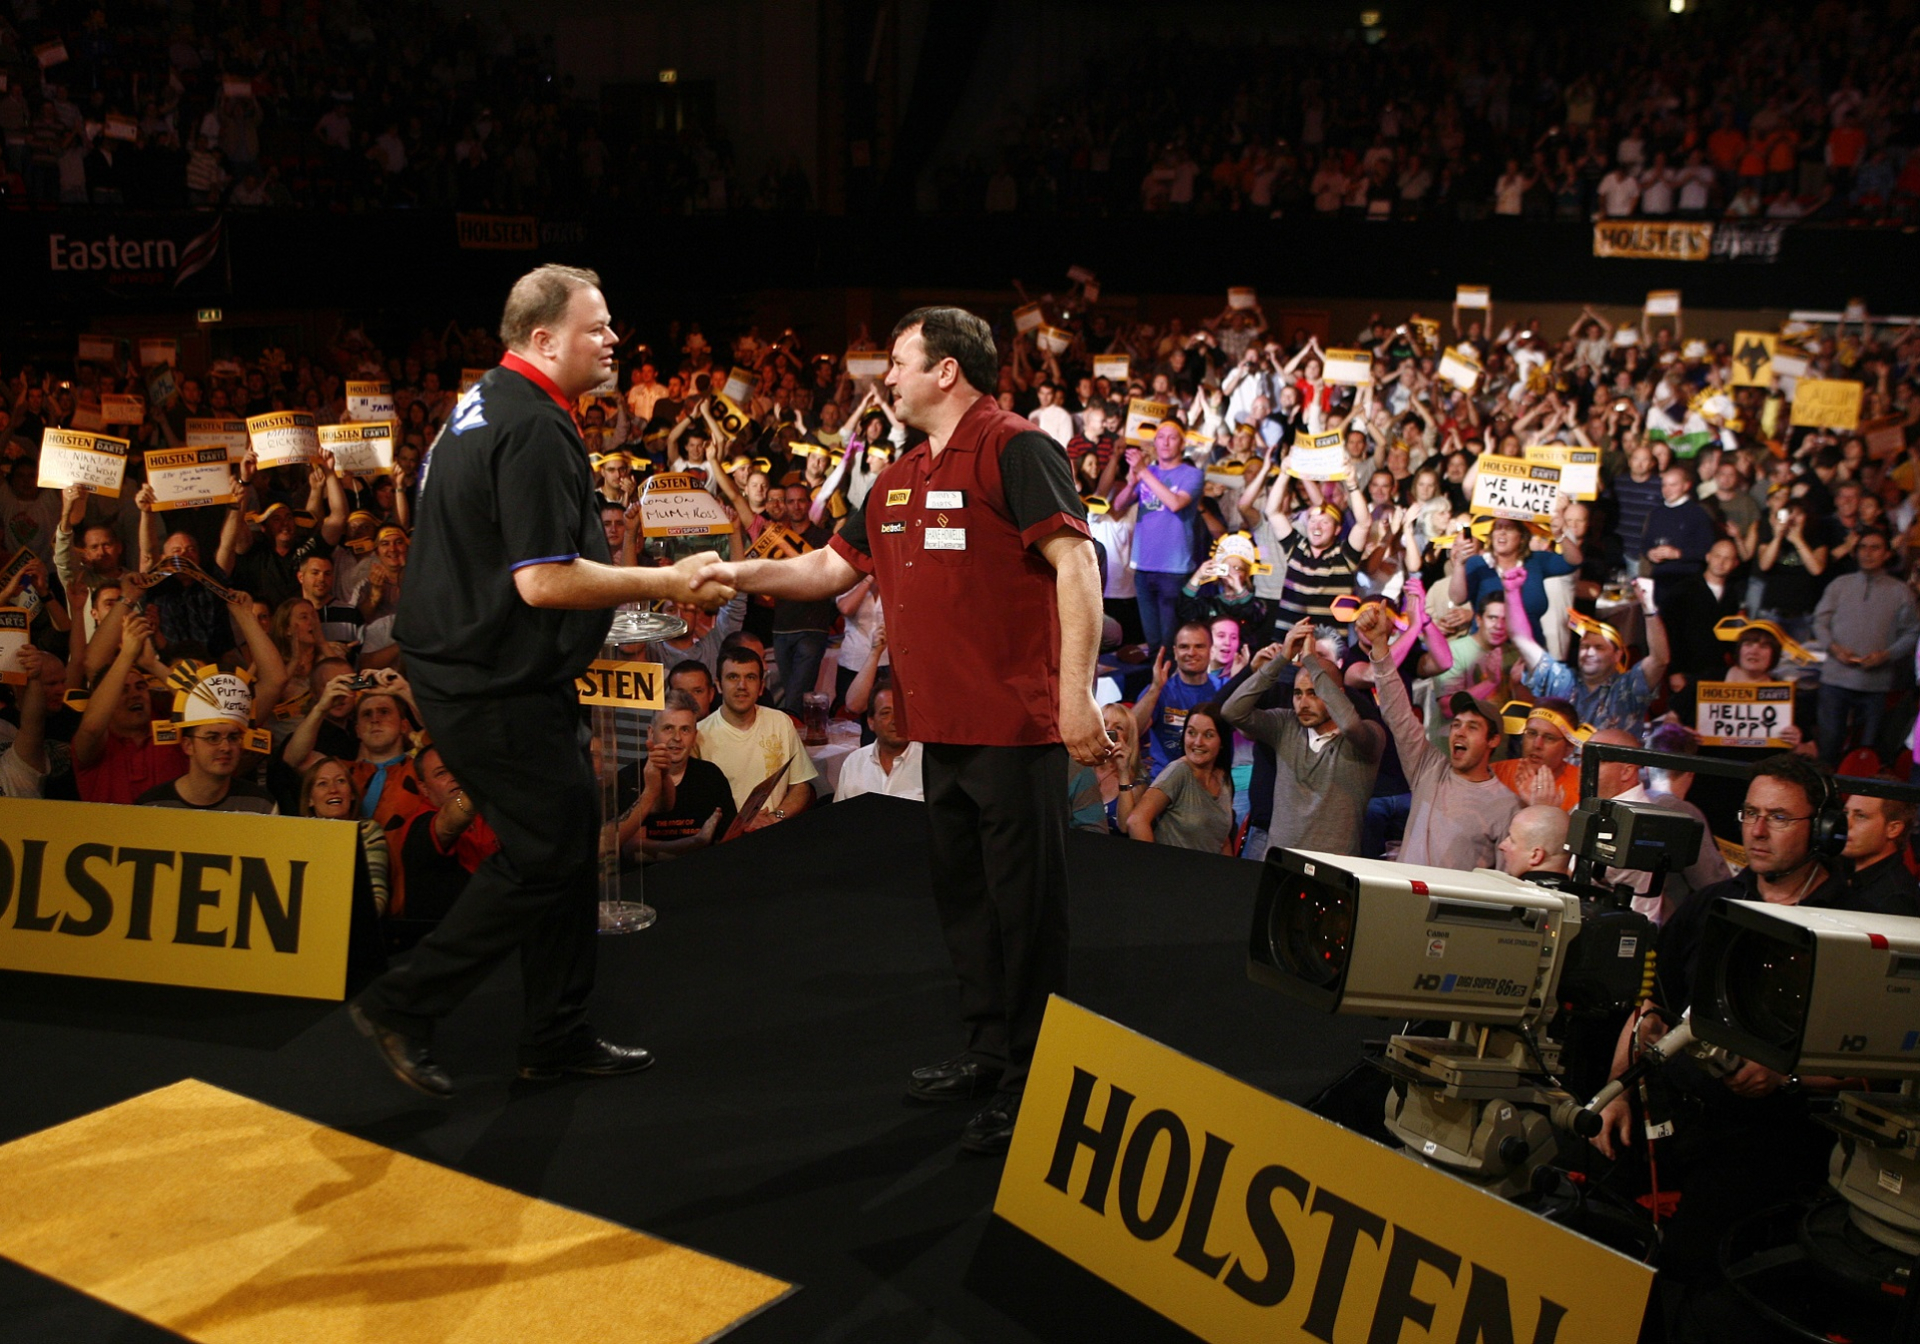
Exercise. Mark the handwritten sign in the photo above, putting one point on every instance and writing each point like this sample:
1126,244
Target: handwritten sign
1348,368
1743,714
1028,317
1663,303
98,350
867,363
622,685
13,638
370,401
122,409
157,350
1319,457
1114,368
1144,417
283,438
1826,403
675,505
1472,296
739,386
1579,467
189,478
359,449
1460,369
1242,296
75,457
210,432
1510,488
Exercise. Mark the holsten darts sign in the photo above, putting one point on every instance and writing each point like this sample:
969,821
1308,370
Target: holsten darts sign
1241,1217
216,899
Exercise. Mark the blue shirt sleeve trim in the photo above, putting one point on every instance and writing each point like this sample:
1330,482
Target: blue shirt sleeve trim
546,560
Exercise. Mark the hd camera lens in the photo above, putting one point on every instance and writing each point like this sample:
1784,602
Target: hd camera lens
1310,931
1766,987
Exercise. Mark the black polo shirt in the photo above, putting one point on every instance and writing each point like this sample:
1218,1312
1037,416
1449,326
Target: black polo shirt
505,485
1884,888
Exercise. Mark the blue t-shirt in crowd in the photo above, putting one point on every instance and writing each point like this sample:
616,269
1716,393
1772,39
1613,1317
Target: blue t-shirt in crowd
1163,539
1166,741
1541,566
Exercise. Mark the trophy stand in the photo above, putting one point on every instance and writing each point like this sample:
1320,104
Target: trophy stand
634,623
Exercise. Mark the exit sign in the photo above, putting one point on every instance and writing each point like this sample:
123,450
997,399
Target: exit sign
208,315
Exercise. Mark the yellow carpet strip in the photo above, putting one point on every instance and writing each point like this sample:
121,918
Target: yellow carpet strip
230,1222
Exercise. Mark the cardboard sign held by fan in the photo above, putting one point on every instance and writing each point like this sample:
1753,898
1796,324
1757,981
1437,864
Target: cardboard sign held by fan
1509,488
756,801
677,505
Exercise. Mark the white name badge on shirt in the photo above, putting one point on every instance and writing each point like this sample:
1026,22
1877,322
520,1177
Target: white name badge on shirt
947,499
947,538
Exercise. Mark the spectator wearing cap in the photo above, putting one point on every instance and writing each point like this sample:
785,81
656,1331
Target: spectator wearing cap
1460,812
1544,772
1866,621
1878,830
1222,589
213,714
1164,489
1606,692
378,595
1327,755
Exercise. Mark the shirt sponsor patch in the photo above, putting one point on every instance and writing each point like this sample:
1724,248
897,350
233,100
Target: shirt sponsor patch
946,538
946,499
893,527
895,498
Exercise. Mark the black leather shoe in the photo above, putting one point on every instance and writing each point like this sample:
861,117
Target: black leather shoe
958,1079
406,1056
991,1131
602,1060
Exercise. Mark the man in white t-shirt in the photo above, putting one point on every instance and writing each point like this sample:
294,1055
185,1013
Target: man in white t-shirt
1619,193
889,764
1052,417
1656,188
749,742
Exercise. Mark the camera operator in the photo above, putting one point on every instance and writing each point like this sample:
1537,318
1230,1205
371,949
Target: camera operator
1536,846
1743,1141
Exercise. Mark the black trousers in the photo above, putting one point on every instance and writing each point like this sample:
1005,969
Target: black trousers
998,817
523,762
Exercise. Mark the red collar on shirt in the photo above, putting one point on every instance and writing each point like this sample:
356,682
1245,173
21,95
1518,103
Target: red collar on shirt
537,378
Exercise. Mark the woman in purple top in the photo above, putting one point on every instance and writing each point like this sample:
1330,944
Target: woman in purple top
1166,491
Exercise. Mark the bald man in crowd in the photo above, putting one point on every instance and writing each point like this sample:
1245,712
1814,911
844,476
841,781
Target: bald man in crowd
1536,845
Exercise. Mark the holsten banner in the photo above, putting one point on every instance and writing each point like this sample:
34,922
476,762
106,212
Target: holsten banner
1239,1216
215,899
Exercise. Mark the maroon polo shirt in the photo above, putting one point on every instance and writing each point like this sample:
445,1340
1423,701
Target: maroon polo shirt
973,625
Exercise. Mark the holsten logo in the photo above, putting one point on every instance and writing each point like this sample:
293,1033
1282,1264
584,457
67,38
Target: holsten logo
1416,1273
112,253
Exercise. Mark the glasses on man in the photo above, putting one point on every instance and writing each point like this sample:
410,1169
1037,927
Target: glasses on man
1768,821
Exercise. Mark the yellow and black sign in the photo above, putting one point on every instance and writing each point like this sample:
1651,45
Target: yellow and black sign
1743,714
620,685
1753,358
1827,403
1241,1217
777,542
221,900
1652,240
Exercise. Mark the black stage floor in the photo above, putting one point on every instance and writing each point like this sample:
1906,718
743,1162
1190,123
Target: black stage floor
793,979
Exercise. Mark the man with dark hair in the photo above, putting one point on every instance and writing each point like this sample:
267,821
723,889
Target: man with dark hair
1877,834
509,601
1746,1140
691,675
999,691
749,742
1179,684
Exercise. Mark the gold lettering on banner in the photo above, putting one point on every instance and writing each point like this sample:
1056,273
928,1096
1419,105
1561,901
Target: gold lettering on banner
498,233
1649,240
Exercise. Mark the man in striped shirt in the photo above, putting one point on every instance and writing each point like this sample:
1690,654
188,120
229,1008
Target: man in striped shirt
1319,562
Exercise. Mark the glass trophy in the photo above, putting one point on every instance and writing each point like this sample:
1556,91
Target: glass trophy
635,623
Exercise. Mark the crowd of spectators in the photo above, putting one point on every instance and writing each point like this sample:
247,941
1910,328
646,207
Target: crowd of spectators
338,107
1722,544
1771,111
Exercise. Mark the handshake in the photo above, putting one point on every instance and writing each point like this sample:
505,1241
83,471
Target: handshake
702,580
